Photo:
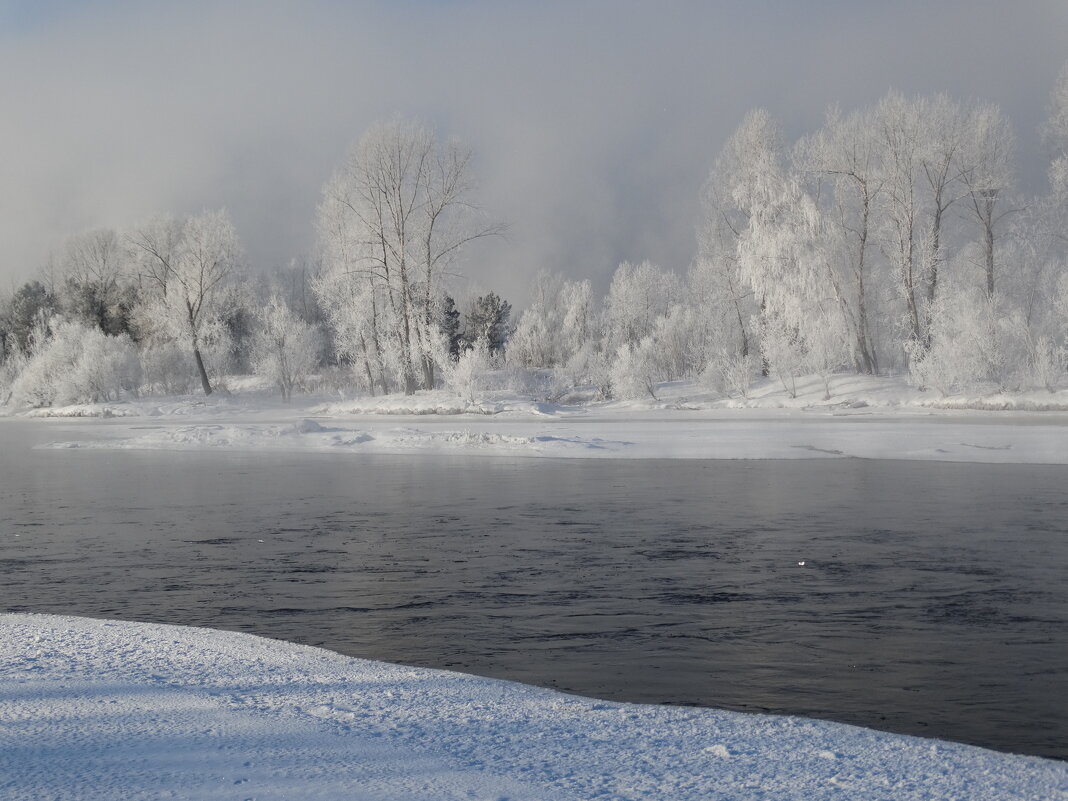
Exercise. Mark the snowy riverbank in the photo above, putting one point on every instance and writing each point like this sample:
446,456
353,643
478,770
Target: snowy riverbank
110,710
864,418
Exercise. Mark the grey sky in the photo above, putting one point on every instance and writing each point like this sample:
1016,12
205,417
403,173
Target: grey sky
593,124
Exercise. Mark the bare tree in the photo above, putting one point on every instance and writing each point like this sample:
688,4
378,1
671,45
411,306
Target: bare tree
153,248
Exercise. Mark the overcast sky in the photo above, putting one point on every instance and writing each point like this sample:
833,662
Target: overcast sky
593,124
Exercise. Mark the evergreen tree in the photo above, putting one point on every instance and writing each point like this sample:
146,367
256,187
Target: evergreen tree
31,301
490,318
450,326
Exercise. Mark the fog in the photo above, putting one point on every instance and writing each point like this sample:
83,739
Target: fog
592,124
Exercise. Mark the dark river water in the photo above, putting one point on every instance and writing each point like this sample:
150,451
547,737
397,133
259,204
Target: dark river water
932,600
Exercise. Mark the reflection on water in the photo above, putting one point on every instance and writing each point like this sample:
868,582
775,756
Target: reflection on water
931,600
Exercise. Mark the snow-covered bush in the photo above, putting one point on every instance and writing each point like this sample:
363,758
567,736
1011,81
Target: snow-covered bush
9,373
1047,361
77,365
52,356
597,365
107,368
285,349
730,373
954,359
681,343
635,371
168,369
466,375
973,342
797,344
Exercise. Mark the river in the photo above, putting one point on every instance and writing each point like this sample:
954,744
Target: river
916,597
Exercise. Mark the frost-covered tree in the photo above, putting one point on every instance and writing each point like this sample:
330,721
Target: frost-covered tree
714,281
350,311
285,348
845,161
901,216
736,187
932,147
783,257
29,304
637,297
1055,135
943,162
187,269
91,288
988,152
840,248
395,218
556,324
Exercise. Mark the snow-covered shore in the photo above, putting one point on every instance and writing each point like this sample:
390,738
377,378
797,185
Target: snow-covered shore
111,710
864,418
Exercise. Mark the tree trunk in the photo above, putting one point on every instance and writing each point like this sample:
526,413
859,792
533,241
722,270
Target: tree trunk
988,226
204,382
765,366
932,284
367,366
867,352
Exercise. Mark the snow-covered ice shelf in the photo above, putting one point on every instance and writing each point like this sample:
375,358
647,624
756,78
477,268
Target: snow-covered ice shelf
869,418
638,434
112,710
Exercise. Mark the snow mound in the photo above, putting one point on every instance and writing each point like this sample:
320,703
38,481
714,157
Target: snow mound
110,710
305,434
437,402
86,410
407,437
309,426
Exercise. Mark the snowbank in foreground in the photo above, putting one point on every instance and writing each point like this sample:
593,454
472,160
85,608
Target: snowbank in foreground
109,710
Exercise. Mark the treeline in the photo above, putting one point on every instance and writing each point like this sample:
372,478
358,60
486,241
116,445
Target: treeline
893,239
170,308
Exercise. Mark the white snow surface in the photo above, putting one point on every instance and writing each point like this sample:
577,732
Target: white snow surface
871,418
115,710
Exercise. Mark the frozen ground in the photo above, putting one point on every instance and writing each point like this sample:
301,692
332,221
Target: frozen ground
873,418
110,710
